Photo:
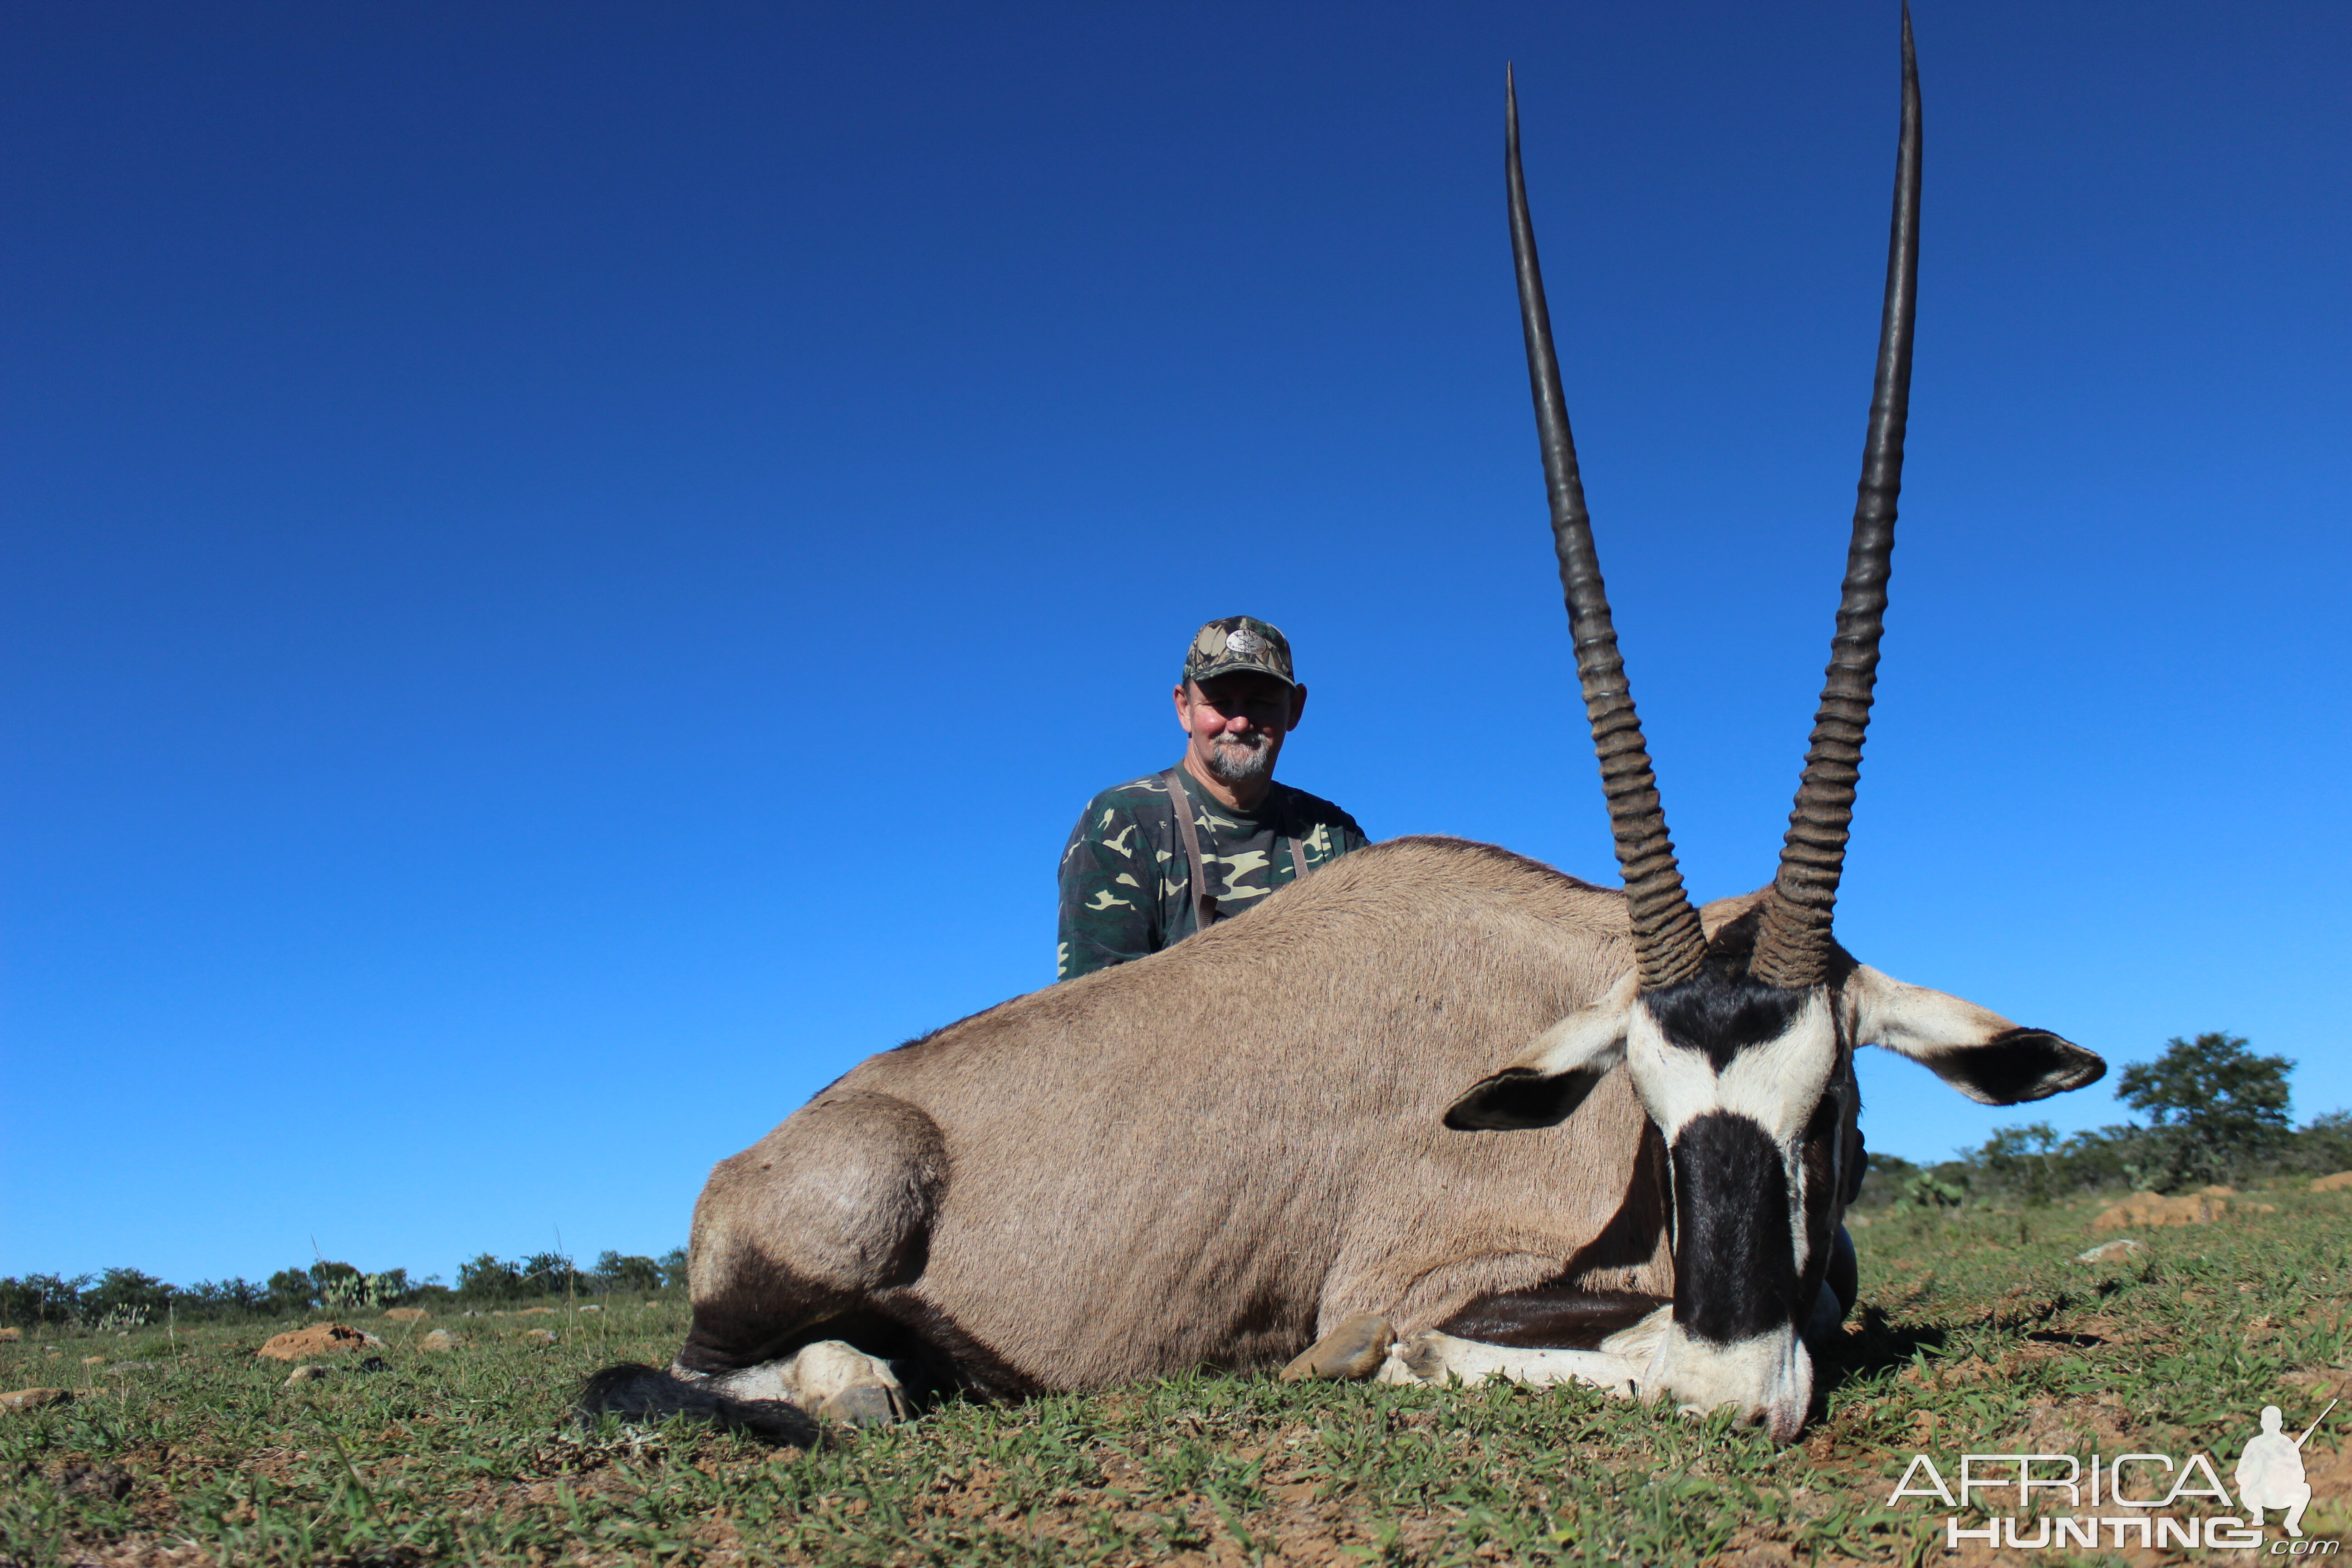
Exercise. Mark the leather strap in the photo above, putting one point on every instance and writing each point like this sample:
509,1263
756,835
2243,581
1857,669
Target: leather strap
1205,912
1204,905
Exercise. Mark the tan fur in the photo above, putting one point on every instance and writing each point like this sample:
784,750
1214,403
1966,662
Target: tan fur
1212,1155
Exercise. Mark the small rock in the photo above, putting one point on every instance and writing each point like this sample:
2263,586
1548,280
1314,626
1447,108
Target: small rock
35,1398
2335,1184
440,1339
319,1338
407,1314
302,1374
539,1337
93,1361
591,1309
2123,1249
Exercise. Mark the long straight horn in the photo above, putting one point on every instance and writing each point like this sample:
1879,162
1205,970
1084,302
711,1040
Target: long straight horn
1792,949
1666,935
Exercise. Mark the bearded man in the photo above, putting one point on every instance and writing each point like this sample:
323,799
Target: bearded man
1155,860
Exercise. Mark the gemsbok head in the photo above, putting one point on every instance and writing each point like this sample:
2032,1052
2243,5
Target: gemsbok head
1741,1046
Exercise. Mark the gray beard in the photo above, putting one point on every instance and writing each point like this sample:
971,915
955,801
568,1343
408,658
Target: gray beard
1238,761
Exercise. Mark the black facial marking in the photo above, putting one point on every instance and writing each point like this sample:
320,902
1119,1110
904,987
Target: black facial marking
1735,1265
1720,1010
2026,1064
1519,1098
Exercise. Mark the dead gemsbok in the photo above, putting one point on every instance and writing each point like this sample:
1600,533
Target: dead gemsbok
1440,1111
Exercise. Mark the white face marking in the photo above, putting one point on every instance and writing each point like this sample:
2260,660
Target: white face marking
1776,1084
1769,1377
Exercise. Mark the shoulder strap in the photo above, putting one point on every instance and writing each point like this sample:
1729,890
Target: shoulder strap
1298,867
1204,905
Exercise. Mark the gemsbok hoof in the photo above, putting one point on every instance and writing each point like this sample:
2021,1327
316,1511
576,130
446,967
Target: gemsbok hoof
1350,1354
865,1405
1424,1356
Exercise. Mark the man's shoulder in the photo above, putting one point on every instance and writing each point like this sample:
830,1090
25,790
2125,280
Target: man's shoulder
1144,798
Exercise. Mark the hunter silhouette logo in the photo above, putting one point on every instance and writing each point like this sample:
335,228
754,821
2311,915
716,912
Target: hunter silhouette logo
2148,1500
2270,1473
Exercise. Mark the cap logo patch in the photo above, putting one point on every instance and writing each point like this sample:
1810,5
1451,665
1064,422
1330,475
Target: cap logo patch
1244,643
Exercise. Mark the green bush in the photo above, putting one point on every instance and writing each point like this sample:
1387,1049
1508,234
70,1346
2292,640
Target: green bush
41,1299
615,1272
2324,1146
2217,1112
489,1278
126,1298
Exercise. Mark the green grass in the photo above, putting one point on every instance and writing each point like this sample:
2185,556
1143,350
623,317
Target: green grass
1979,1334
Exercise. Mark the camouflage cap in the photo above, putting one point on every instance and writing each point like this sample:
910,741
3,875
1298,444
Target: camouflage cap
1238,644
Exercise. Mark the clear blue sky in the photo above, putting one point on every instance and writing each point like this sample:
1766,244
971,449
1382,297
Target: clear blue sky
567,568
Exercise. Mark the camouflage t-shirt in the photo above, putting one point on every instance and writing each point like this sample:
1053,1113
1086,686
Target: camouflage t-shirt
1126,890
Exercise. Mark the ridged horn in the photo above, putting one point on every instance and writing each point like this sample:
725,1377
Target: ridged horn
1792,948
1667,940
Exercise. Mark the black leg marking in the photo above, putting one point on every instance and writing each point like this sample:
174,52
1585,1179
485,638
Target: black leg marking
1549,1317
936,1350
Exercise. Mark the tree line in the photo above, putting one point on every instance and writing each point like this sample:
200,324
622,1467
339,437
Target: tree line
2216,1113
131,1298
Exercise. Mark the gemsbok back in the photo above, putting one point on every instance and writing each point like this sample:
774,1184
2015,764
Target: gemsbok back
1439,1111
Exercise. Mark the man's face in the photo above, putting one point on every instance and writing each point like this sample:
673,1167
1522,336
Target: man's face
1237,722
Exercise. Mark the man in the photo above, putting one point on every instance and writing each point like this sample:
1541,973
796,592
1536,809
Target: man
1153,860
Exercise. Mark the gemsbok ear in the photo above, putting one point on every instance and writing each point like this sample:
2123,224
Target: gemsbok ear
1980,1053
1544,1088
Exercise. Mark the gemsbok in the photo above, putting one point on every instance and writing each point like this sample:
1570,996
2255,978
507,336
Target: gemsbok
1439,1111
